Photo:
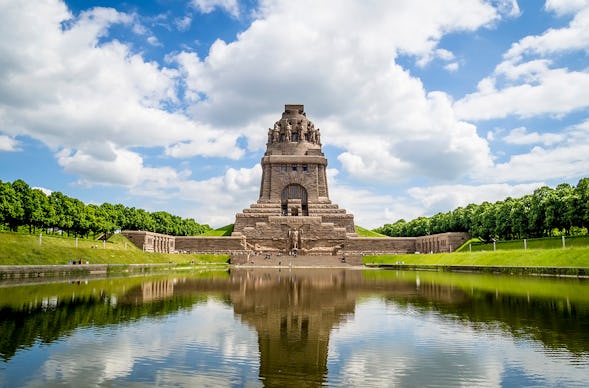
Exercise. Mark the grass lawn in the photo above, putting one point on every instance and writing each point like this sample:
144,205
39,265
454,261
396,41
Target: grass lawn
222,231
363,232
569,257
535,243
25,249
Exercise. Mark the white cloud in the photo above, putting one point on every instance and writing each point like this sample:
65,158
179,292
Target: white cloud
534,86
8,143
152,40
115,166
98,105
370,209
508,7
183,24
77,94
374,110
216,200
521,135
543,164
573,37
558,92
562,7
444,54
444,198
452,67
208,6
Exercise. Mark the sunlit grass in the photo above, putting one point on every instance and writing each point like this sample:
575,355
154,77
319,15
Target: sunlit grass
363,232
532,243
24,249
569,257
222,231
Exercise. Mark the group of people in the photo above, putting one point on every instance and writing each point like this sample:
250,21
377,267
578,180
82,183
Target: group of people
303,130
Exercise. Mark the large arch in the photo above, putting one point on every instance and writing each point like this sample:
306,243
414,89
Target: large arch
294,191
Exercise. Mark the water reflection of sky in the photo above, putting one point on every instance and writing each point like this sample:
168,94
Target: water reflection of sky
385,344
205,346
399,338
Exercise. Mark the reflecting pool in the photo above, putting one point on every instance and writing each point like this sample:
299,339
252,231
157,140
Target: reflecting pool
276,328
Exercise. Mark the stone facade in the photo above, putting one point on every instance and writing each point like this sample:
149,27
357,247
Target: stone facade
210,244
293,212
442,242
151,242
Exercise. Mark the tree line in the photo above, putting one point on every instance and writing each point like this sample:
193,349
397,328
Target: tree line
24,207
547,212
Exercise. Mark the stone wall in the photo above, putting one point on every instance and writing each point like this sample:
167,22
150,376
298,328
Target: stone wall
150,241
210,244
316,238
379,245
442,242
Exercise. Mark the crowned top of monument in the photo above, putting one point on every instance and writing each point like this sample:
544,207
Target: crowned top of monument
293,134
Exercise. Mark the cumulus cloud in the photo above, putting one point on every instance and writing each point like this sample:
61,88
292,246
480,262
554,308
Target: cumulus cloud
562,7
78,92
540,163
183,24
8,143
208,6
216,200
535,84
373,109
521,135
97,104
328,61
447,197
117,166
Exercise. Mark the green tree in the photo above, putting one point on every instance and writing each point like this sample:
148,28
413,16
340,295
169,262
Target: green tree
11,209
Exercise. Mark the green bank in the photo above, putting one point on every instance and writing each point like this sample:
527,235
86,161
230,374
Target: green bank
574,258
24,249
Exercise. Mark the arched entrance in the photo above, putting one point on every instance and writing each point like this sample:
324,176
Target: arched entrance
296,196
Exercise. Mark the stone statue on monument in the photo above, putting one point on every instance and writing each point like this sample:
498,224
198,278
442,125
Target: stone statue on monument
294,236
288,131
300,130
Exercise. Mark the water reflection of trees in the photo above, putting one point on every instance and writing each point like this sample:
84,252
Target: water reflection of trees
556,323
46,320
293,312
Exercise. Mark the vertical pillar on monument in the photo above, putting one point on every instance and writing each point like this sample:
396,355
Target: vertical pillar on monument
293,191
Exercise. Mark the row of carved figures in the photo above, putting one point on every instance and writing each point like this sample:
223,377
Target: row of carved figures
283,131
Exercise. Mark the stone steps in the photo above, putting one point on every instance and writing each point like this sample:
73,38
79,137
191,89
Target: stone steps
286,261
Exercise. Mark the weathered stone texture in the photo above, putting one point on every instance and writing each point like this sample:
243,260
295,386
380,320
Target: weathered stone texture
379,245
443,242
151,242
293,194
209,244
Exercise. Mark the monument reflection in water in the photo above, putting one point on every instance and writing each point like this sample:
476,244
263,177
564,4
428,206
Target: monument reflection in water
297,328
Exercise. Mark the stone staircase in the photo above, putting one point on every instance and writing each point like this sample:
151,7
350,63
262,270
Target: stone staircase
286,261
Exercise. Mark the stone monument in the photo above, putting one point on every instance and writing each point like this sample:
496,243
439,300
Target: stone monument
294,213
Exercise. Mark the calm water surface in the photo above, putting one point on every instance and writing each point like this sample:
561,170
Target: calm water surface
271,328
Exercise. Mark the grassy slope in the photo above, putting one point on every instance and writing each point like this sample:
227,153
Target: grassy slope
23,249
363,232
569,257
222,231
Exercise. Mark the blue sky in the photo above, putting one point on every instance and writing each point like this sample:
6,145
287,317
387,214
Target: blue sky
423,105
